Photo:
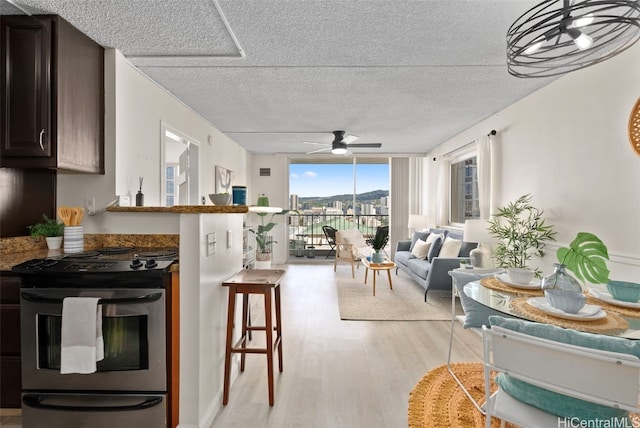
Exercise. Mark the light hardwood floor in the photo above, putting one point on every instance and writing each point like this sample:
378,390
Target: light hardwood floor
339,373
346,374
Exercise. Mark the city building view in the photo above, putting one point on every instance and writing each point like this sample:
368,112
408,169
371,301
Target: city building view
341,196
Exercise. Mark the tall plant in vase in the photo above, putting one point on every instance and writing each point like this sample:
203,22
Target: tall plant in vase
264,239
521,232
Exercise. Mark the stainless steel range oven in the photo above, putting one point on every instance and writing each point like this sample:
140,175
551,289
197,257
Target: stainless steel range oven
129,387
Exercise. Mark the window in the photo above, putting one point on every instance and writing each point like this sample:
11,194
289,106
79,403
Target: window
464,198
179,168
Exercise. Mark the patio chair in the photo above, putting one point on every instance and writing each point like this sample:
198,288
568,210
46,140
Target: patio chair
604,382
330,234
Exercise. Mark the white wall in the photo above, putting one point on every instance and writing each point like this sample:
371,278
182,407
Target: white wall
134,109
567,145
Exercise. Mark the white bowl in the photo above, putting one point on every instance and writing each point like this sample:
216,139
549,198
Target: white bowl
568,301
520,275
220,198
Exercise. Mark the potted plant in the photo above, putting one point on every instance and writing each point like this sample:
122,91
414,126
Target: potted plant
378,242
51,229
264,240
521,233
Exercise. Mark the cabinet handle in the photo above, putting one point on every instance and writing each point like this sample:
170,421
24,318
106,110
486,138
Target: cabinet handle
42,140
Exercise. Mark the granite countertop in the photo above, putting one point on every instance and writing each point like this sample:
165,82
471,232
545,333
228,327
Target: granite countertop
14,251
184,209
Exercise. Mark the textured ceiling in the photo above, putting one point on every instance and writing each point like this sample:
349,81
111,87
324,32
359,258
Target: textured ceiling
409,74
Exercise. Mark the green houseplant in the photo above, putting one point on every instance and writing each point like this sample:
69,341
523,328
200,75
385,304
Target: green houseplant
586,257
378,242
50,229
264,240
521,233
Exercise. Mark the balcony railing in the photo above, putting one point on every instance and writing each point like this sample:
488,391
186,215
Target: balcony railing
307,228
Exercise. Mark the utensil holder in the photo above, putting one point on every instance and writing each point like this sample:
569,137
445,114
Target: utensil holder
73,239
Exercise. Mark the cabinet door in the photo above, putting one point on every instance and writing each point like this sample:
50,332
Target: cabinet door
26,91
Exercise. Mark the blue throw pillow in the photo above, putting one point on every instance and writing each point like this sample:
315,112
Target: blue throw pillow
475,314
416,236
553,402
434,250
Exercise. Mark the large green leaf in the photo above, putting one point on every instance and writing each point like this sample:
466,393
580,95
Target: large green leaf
587,258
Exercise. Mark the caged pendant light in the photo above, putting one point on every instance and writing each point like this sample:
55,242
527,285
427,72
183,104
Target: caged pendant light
559,36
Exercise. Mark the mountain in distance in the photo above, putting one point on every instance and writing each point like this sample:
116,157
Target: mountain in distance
372,197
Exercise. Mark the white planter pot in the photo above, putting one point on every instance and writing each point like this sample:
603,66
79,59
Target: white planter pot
263,264
54,242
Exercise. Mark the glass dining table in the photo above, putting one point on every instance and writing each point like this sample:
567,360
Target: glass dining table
613,319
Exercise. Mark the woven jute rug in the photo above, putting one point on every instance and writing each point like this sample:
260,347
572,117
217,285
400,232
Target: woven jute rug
404,303
437,401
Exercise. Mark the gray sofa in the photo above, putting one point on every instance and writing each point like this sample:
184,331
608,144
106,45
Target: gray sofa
434,274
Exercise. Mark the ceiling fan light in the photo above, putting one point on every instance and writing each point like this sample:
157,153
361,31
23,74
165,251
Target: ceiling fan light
339,151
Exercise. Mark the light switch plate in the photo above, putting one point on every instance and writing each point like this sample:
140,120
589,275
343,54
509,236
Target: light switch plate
211,244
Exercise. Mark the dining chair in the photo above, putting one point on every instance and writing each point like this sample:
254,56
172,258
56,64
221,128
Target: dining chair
330,235
598,377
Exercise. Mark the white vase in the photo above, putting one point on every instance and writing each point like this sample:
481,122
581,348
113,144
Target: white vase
263,264
54,242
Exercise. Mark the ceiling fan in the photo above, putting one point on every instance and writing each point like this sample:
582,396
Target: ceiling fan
342,143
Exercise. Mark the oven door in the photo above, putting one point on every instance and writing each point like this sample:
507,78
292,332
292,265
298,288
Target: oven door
133,329
93,410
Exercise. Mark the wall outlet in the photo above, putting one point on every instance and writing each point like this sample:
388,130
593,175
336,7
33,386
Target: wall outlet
211,244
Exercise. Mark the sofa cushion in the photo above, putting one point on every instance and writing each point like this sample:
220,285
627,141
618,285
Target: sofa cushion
466,248
552,402
419,266
418,235
436,245
403,257
450,247
420,249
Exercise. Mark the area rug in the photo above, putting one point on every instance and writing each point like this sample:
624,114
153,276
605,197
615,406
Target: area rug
438,402
404,303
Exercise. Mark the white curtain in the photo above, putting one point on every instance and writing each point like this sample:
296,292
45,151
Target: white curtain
442,191
399,208
485,192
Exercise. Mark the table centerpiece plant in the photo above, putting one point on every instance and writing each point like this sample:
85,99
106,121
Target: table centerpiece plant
521,232
378,242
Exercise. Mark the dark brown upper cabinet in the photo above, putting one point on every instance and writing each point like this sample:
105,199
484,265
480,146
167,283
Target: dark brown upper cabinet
52,96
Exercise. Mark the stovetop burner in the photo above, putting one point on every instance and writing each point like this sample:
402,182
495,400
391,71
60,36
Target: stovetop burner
82,255
167,253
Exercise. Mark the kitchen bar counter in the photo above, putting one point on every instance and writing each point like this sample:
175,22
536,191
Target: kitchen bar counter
184,209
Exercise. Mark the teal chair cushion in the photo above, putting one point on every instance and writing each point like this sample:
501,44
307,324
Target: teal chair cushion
552,402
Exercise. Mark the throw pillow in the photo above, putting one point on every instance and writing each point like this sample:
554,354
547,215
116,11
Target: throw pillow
434,251
450,247
475,314
416,236
552,402
420,249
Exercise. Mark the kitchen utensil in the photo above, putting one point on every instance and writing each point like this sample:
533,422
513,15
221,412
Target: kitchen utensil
65,215
78,215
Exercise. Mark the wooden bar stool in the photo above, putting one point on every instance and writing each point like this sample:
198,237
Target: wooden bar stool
260,281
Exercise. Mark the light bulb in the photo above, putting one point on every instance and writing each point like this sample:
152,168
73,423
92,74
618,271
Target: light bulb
582,21
583,41
339,151
534,48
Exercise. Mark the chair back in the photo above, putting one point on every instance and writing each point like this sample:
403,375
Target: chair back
330,234
608,378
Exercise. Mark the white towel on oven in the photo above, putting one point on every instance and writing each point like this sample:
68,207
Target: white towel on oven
81,341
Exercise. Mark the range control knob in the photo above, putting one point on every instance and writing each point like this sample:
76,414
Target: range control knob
151,263
136,264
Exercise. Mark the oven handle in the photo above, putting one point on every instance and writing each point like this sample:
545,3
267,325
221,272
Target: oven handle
35,401
32,297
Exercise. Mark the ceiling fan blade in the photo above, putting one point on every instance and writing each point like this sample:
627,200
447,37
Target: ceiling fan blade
350,139
370,145
316,144
319,150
